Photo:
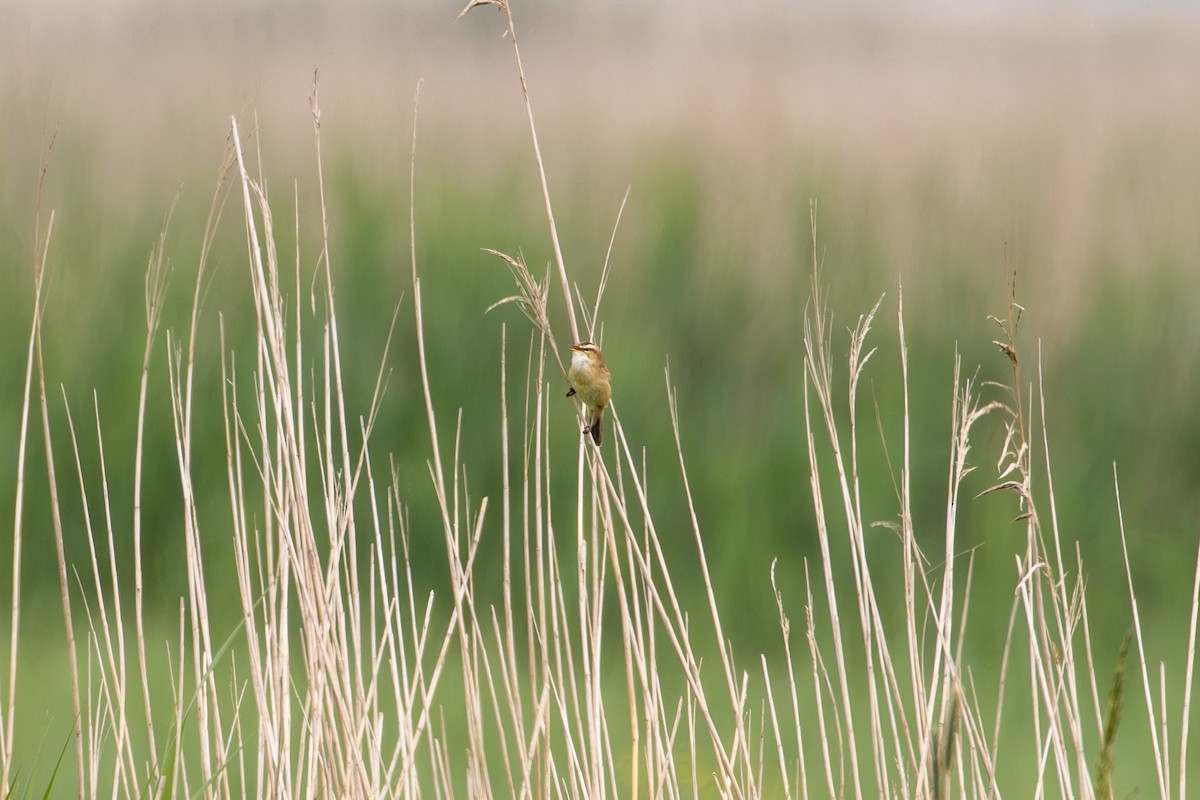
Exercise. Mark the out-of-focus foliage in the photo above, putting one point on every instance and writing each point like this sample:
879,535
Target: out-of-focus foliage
1060,157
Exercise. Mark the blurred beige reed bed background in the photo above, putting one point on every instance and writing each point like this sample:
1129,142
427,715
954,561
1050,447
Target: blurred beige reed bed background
946,151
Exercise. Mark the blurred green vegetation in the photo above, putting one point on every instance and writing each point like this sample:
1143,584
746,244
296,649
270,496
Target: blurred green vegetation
712,270
681,293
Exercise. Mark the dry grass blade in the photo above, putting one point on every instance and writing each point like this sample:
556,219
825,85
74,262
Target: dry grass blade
502,4
564,281
590,318
56,516
1187,679
1159,755
8,731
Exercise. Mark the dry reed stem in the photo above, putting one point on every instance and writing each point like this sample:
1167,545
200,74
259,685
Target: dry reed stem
1159,762
111,657
55,509
1187,680
8,731
819,370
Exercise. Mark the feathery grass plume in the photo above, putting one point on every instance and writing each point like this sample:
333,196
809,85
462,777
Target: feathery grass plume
532,293
1112,721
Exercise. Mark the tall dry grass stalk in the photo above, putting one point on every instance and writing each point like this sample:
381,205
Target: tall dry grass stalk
339,681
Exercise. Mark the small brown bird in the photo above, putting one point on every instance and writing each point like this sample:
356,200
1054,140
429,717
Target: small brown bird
588,378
